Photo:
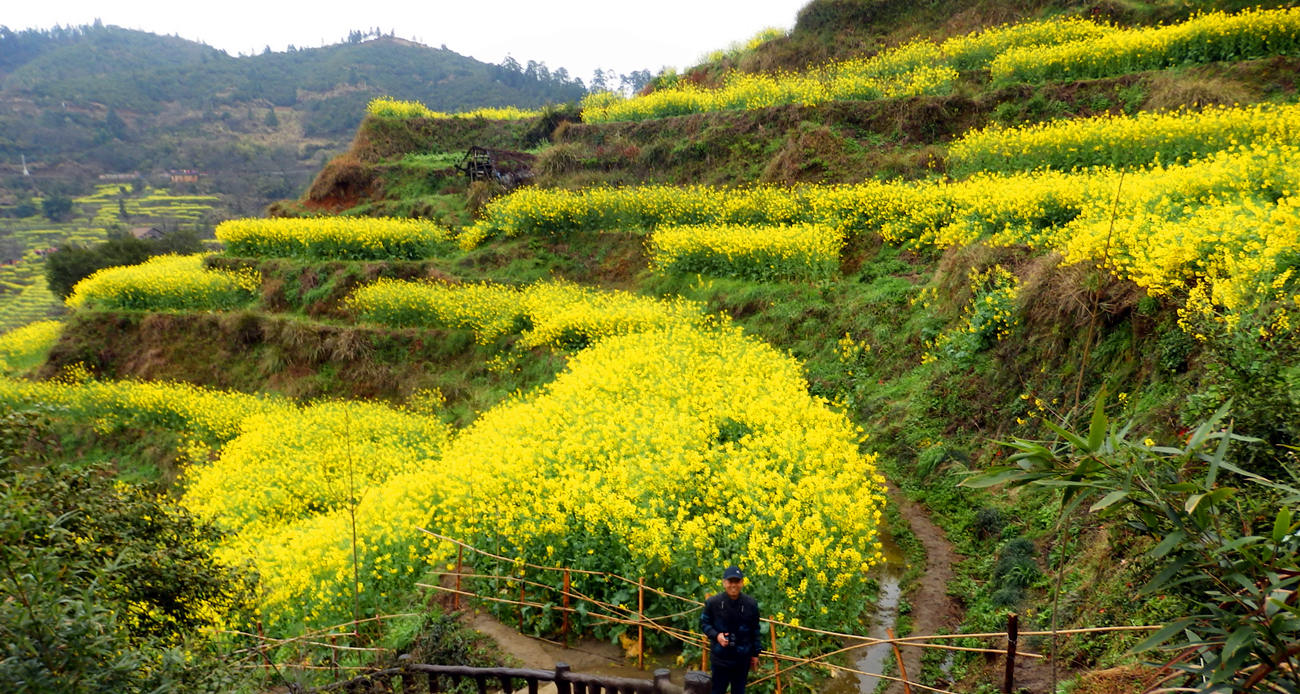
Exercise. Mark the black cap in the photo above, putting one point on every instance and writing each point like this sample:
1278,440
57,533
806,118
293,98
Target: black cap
732,572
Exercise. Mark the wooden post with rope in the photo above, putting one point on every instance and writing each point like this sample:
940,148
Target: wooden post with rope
1013,635
776,661
640,619
460,564
902,670
521,607
564,628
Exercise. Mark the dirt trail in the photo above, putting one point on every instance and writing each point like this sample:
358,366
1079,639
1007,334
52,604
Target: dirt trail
932,609
587,656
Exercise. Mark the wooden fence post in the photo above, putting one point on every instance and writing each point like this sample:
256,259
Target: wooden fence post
521,606
698,683
776,662
334,657
661,680
562,684
902,671
1013,635
640,628
704,656
460,562
565,628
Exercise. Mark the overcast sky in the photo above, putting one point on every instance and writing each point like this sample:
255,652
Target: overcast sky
579,35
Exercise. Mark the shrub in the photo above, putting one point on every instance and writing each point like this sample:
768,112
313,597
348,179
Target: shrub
109,586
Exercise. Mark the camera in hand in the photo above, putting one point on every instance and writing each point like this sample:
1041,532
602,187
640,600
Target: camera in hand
731,640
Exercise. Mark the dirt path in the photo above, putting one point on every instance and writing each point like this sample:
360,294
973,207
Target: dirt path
587,656
932,609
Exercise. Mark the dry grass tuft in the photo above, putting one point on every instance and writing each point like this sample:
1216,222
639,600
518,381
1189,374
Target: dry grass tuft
1117,680
817,152
559,160
1173,91
480,193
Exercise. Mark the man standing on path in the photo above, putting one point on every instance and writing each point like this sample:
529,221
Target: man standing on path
730,621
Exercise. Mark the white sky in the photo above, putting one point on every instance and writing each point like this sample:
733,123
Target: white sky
579,35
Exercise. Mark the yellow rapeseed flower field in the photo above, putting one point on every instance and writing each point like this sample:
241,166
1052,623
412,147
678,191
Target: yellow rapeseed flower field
1137,140
754,252
165,283
24,347
205,418
558,314
1065,48
388,107
1223,219
1209,37
333,238
667,453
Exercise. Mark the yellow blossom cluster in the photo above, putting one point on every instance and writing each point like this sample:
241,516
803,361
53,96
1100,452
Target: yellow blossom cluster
856,79
290,464
989,317
23,348
205,418
977,49
388,107
753,252
1138,140
166,283
333,238
1206,38
668,454
1225,219
917,67
551,211
559,314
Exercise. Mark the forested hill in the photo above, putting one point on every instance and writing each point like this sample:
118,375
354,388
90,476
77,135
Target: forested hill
137,70
114,99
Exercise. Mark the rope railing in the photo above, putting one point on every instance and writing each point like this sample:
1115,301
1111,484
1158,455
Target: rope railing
602,611
618,614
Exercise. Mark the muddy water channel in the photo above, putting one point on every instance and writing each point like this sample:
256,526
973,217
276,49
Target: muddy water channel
882,618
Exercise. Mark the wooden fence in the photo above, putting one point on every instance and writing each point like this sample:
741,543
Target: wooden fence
415,678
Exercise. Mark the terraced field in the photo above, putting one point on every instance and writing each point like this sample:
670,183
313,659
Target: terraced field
24,296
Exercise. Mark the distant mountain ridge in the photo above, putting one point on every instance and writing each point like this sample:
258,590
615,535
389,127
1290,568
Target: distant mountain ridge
100,98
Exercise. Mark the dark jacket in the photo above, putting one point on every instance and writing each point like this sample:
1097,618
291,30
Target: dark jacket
738,617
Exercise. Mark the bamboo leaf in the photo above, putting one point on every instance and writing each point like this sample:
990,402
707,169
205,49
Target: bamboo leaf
1207,427
1171,540
1212,472
1097,427
1109,499
1239,638
993,477
1281,524
1163,577
1067,435
1164,634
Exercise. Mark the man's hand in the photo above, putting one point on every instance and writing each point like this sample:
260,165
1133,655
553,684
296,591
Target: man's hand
753,663
722,640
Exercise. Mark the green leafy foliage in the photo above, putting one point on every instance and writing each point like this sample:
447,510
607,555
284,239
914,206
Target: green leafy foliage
106,586
1228,540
